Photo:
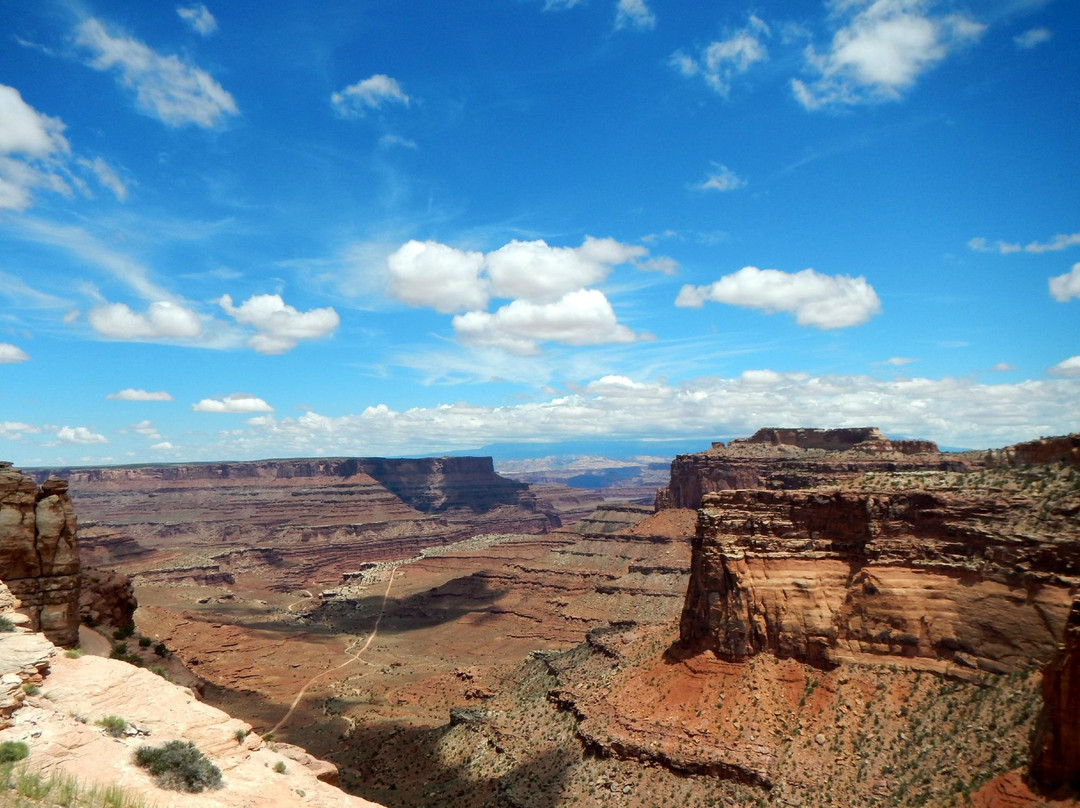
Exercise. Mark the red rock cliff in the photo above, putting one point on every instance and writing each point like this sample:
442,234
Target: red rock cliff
1056,745
39,556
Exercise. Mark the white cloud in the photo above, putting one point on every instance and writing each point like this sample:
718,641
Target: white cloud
1064,287
9,354
1067,367
79,434
634,14
427,273
584,317
279,325
14,430
235,402
822,301
32,148
880,51
1059,242
162,320
166,87
164,446
556,5
537,272
138,394
390,141
146,429
1032,37
199,18
897,361
1002,367
952,411
371,93
721,178
720,62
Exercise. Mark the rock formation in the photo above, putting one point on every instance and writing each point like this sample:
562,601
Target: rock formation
1056,745
39,557
292,523
788,459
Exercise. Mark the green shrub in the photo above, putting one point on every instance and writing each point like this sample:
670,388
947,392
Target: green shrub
6,624
144,642
179,765
124,632
30,689
279,767
240,735
161,649
112,724
10,751
73,653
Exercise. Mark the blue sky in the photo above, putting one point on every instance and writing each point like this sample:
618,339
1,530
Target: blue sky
242,230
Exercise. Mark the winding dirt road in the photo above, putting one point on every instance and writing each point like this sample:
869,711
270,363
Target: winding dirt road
354,658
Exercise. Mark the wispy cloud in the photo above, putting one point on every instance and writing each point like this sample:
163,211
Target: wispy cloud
634,14
1059,242
1032,38
168,88
368,94
721,62
138,394
199,18
720,178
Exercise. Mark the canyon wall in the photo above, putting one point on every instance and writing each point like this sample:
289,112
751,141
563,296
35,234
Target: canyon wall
828,576
39,556
787,459
1056,744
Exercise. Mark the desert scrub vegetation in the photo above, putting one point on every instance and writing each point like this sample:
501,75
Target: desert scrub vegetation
22,788
11,751
6,624
179,766
112,724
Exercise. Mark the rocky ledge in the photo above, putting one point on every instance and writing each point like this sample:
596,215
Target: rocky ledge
39,557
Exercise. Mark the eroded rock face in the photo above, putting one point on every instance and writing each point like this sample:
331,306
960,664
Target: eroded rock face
39,556
950,572
787,459
1056,745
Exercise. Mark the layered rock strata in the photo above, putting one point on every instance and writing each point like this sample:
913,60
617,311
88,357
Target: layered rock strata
39,556
948,571
787,459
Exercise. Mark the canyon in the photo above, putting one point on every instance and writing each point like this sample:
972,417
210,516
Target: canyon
803,617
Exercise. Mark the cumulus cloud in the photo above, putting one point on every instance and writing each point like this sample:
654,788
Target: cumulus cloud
162,320
721,178
540,273
1059,242
952,411
822,301
427,273
31,147
1067,367
371,93
721,62
1032,38
279,326
199,18
232,403
79,434
138,394
584,317
168,88
634,14
1067,286
880,51
164,446
9,354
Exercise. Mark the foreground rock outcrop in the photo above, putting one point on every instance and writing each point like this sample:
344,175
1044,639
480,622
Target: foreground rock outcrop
1056,746
39,557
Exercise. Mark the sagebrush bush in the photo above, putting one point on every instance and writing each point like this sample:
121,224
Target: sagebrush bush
112,724
10,751
179,765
